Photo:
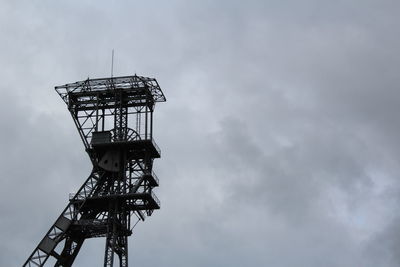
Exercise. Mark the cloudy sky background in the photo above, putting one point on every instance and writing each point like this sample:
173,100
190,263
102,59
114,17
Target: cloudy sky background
280,137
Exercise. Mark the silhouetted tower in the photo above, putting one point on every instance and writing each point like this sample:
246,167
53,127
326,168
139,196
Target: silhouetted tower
114,117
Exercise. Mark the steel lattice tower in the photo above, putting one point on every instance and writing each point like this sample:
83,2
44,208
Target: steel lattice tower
114,118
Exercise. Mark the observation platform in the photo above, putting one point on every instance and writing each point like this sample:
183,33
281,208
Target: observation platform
86,95
89,228
131,201
136,146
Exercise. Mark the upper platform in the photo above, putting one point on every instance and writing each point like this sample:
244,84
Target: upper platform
112,104
94,93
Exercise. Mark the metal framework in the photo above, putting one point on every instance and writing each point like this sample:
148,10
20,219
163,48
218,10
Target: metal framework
114,118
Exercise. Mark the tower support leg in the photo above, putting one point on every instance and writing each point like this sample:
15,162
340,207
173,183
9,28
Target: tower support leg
70,251
117,240
123,256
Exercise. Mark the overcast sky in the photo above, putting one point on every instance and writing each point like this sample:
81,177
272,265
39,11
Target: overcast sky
279,137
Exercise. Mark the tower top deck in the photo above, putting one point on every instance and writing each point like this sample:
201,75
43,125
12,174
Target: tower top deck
91,93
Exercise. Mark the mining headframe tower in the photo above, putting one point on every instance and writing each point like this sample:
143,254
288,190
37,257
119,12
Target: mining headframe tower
114,118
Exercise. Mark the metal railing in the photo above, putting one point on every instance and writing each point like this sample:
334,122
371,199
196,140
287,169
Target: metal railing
152,173
156,146
131,135
155,198
80,196
92,221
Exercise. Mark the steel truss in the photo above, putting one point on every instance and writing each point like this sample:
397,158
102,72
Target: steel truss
114,118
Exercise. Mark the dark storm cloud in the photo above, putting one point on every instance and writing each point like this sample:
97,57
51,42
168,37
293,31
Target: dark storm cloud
279,136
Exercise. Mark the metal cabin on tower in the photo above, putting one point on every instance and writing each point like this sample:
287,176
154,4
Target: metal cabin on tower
114,118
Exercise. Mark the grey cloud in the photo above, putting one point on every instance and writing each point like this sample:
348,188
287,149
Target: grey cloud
279,136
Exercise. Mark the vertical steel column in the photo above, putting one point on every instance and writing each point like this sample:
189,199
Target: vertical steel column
111,235
120,117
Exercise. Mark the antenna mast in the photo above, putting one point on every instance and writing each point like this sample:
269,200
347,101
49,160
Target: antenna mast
112,63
